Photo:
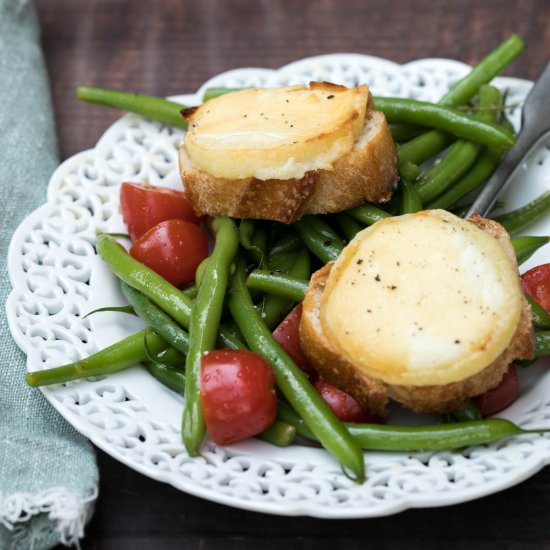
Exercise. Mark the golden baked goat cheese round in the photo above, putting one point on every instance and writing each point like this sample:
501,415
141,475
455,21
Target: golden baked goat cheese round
421,299
277,133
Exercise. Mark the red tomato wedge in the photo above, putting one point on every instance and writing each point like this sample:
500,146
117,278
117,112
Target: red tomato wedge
144,206
237,389
343,405
288,336
174,249
497,399
536,283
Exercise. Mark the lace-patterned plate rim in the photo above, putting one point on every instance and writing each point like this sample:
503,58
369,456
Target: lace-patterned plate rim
57,277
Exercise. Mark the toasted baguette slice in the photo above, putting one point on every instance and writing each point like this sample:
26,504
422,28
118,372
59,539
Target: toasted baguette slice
269,133
371,391
368,172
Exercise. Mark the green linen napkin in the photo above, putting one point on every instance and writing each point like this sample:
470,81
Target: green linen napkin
48,474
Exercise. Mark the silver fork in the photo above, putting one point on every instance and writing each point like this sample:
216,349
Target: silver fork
535,123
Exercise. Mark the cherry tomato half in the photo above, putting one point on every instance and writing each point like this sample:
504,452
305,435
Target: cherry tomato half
497,399
174,249
237,389
144,206
343,405
288,336
536,283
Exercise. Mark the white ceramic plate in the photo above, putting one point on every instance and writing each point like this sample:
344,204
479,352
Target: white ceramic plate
57,278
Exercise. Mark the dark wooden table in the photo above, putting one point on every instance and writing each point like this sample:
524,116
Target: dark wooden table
170,46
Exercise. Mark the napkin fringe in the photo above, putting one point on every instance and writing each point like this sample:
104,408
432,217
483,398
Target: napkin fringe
68,512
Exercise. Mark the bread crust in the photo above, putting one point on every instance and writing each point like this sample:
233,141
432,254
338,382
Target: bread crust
369,392
367,174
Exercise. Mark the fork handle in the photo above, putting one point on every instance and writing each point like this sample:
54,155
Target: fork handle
511,161
534,126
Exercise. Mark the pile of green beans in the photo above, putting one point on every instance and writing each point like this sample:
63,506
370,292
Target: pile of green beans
258,270
460,157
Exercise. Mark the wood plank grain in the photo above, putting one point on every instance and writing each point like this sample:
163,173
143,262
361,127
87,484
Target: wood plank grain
171,47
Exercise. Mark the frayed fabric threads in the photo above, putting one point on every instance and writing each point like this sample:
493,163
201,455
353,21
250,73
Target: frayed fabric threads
31,521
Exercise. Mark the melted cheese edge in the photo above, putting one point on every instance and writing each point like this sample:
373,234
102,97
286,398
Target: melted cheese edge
421,299
279,133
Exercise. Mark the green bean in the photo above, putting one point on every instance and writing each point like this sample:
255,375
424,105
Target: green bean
526,246
119,235
410,199
279,434
460,158
520,218
301,266
540,317
281,263
442,437
485,165
319,238
290,242
504,121
368,214
273,307
159,321
292,382
409,171
404,132
447,119
438,437
440,177
489,67
253,238
278,284
423,148
170,358
462,154
260,240
156,288
155,108
347,225
168,376
286,414
469,412
119,356
129,310
203,326
191,291
227,338
542,343
199,273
